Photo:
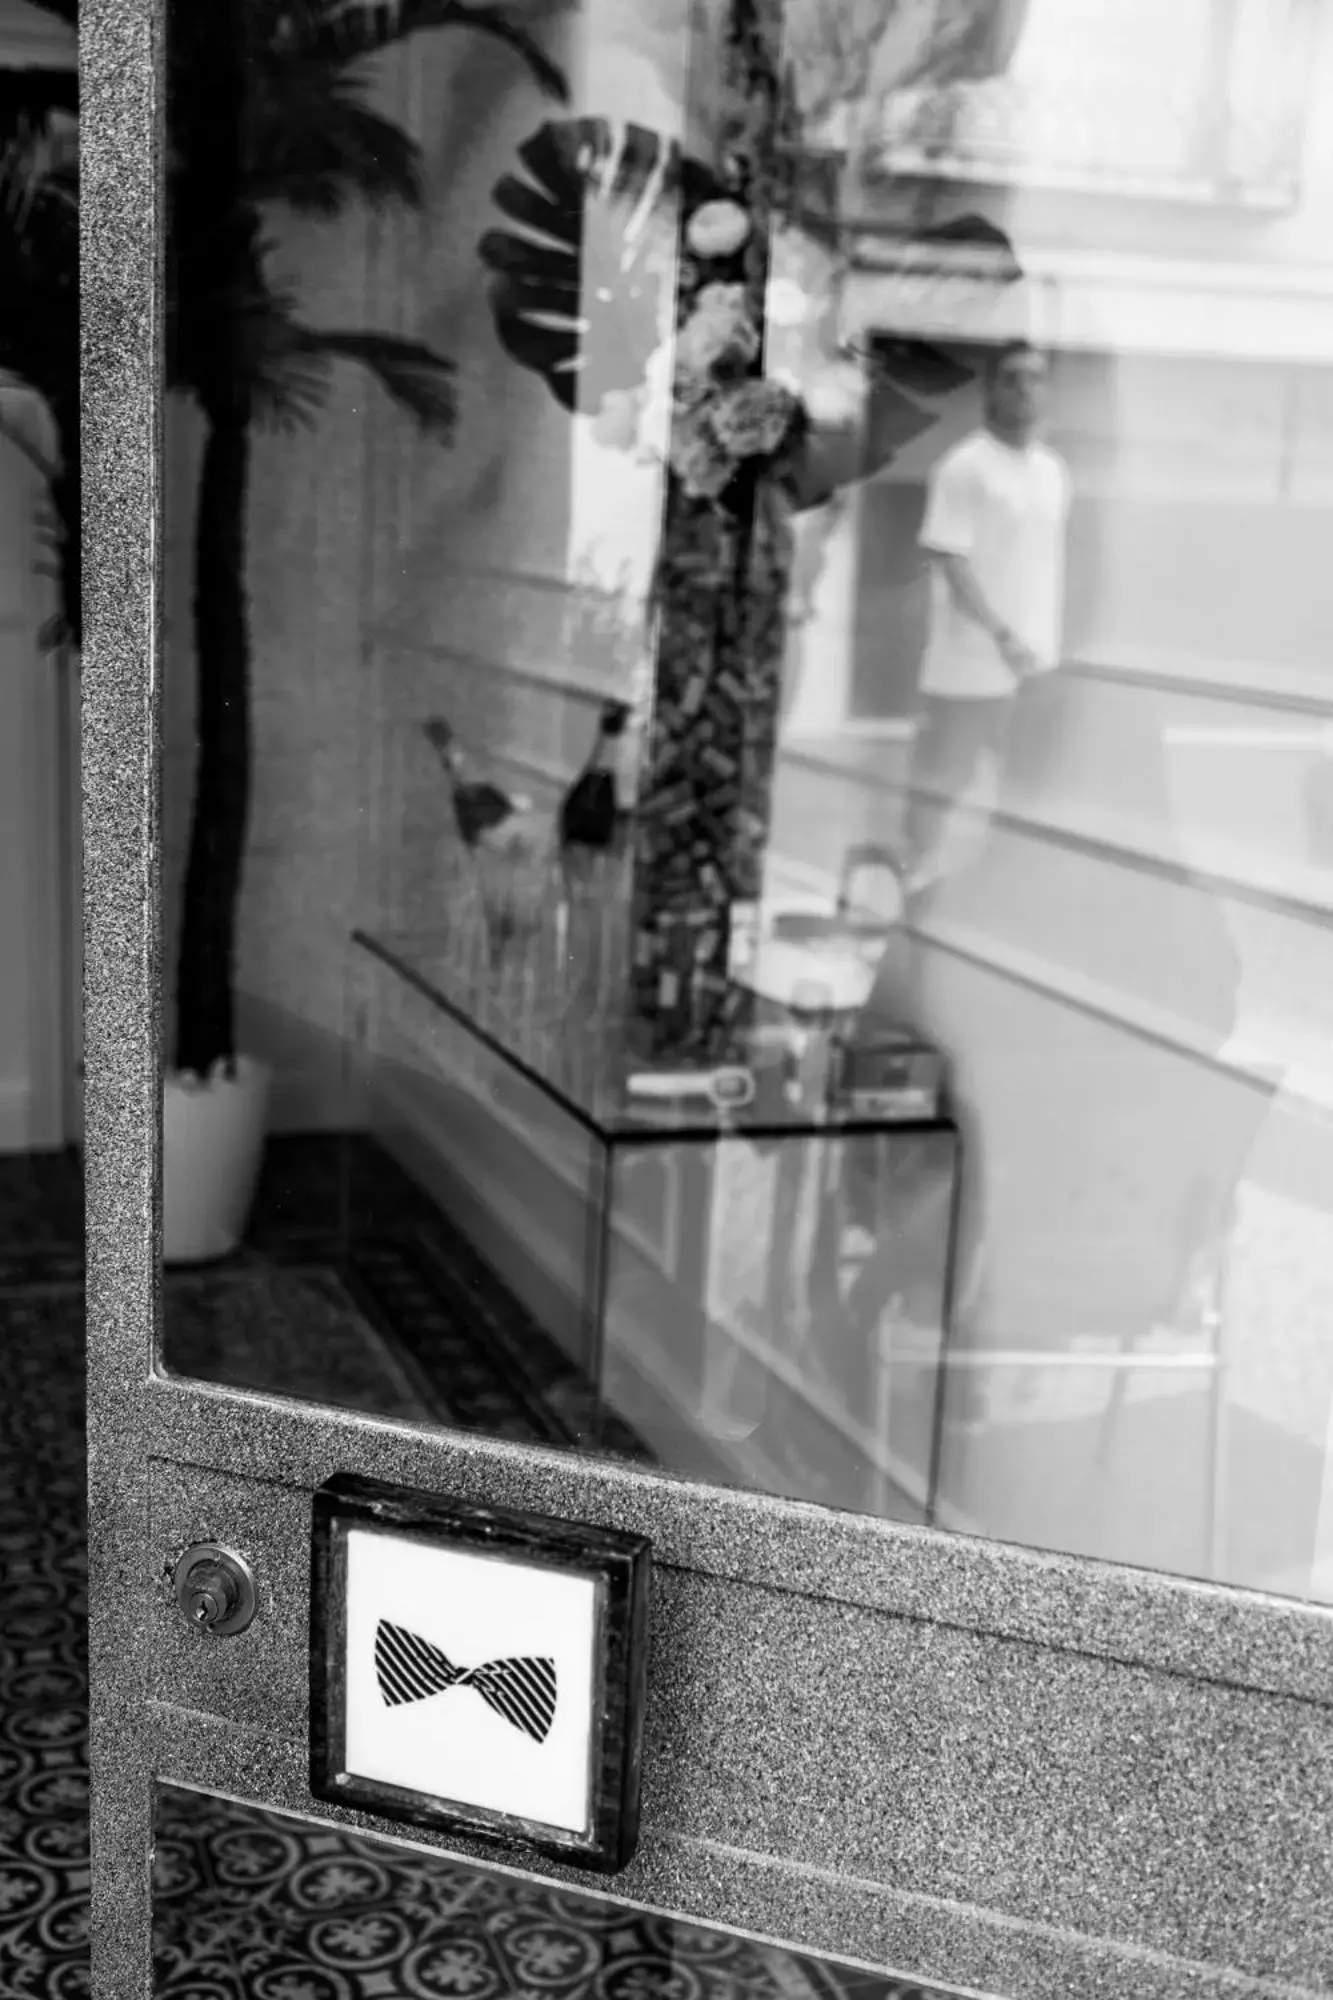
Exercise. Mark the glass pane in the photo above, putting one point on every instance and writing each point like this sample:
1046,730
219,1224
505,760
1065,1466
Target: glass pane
43,1473
748,861
251,1906
40,612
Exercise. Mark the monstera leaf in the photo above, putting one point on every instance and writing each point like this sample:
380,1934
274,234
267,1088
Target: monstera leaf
578,294
579,288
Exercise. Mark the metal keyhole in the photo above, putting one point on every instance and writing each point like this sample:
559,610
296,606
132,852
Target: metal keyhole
215,1589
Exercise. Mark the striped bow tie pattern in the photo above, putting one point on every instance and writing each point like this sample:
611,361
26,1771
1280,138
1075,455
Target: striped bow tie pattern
410,1669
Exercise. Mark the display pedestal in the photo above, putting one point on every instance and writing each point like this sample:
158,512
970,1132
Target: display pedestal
764,1267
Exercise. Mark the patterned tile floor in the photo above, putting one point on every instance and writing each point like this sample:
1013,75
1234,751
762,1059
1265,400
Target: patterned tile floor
249,1906
398,1314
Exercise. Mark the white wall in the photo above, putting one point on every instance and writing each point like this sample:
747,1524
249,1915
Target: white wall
34,1019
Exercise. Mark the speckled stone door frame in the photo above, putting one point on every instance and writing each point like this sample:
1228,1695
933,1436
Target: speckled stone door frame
1016,1773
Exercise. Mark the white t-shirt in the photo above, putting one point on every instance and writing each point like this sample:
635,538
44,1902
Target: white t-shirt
1004,507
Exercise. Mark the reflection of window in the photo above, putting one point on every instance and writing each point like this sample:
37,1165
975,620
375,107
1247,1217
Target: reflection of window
1195,99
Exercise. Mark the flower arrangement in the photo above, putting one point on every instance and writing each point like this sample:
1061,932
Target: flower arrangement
701,406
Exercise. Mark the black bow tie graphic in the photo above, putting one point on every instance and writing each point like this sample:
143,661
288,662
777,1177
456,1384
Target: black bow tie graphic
409,1669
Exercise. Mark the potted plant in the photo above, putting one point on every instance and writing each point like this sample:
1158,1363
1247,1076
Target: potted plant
267,104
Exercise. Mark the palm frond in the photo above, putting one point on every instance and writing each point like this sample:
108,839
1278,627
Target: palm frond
289,387
313,143
39,275
349,30
411,374
33,100
226,323
287,368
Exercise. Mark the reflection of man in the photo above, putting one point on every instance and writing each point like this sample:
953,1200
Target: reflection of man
994,532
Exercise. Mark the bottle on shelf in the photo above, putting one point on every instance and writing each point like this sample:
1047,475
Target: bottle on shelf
592,832
592,816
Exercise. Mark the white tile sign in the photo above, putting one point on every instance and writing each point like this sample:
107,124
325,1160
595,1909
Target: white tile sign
470,1678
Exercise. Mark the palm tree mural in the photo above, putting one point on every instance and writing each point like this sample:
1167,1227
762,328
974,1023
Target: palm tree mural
269,104
848,54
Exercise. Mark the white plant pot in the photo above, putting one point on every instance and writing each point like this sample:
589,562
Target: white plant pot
212,1142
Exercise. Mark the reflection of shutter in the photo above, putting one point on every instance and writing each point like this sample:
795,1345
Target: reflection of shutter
1213,113
992,42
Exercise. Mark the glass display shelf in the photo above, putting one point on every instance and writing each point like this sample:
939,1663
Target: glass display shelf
759,1284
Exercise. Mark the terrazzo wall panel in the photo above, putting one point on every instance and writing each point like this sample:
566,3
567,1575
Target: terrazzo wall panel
1024,1775
1007,1772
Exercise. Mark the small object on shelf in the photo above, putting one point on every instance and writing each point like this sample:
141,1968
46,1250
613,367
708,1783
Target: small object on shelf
508,839
718,229
728,1088
848,922
481,807
891,1075
822,962
743,937
591,814
591,829
809,980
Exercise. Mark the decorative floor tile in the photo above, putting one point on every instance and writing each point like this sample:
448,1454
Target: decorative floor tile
249,1906
291,1331
282,1909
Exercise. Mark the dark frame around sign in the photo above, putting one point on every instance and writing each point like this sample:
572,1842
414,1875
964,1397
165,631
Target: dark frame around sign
620,1565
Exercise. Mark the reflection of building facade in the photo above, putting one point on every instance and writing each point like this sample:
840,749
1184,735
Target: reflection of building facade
1146,937
1194,441
1201,101
1220,323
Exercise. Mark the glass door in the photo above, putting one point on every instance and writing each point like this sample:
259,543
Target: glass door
561,1041
603,1106
479,946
